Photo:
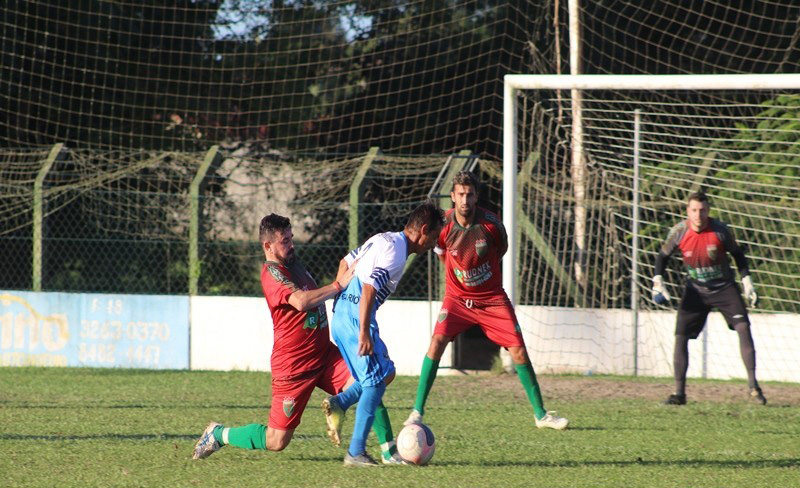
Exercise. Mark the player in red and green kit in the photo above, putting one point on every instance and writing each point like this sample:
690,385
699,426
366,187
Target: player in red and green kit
471,245
704,243
303,357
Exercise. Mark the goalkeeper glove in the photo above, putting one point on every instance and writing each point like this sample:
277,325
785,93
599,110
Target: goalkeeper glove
660,294
749,291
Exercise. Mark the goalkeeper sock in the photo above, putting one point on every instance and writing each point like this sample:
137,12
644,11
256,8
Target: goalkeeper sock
383,431
680,361
426,379
253,436
365,416
748,352
349,396
528,378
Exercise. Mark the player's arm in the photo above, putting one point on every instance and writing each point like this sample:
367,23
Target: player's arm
501,239
736,252
742,265
660,293
342,270
307,299
367,304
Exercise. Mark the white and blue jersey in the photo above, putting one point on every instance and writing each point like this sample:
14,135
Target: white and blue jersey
381,262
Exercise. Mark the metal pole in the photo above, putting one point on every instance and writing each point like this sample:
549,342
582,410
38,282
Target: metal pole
635,258
510,187
578,157
194,223
38,214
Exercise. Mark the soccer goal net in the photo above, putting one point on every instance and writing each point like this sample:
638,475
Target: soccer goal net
597,169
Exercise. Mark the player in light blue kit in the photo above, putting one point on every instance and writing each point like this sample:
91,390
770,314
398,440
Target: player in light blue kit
381,261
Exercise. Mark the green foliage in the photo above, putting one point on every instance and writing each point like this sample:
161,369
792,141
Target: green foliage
117,427
753,181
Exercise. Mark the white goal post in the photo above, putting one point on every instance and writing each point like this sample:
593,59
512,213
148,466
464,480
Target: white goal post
515,82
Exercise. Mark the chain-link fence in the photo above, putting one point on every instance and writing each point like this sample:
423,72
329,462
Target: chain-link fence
178,223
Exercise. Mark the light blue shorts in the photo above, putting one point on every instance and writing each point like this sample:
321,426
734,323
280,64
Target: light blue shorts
367,370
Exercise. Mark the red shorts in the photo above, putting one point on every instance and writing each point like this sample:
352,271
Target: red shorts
290,395
497,319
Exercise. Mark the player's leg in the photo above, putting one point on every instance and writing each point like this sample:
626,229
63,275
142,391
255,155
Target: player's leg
374,372
499,323
289,399
336,377
690,321
730,304
382,426
427,375
748,351
680,365
449,324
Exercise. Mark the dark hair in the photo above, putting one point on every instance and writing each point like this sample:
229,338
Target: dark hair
466,178
426,214
270,224
698,196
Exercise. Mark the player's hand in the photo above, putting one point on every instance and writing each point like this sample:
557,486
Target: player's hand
660,294
749,291
365,346
345,277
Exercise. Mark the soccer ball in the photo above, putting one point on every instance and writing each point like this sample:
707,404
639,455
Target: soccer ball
415,444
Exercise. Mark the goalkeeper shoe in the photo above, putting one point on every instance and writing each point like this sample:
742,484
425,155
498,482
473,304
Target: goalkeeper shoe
552,421
363,460
414,418
394,459
207,444
675,399
757,396
334,417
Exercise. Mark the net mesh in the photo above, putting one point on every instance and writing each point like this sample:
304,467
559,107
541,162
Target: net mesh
295,93
739,147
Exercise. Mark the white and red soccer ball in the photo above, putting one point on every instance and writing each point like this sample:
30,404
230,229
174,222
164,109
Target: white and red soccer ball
416,444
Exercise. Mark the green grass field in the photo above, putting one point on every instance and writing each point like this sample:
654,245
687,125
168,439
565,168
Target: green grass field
94,427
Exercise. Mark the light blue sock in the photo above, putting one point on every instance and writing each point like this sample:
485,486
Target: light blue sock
349,396
365,416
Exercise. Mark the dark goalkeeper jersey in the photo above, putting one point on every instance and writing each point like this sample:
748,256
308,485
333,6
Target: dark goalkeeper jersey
705,254
472,257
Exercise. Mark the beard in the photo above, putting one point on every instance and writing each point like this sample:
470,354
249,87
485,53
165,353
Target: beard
466,213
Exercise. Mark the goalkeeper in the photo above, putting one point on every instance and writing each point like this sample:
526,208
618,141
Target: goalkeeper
471,245
704,243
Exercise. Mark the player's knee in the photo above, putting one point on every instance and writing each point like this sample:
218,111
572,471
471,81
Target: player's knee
518,355
438,344
741,326
278,440
277,447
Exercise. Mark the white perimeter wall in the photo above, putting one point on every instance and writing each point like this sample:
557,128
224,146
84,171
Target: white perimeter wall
236,333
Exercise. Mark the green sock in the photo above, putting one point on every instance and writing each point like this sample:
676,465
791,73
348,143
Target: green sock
528,379
252,436
383,431
426,378
217,433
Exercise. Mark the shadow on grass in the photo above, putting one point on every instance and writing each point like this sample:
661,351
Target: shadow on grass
757,463
182,406
126,437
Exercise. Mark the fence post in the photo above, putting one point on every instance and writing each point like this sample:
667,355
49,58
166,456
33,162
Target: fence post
356,192
637,130
38,189
194,224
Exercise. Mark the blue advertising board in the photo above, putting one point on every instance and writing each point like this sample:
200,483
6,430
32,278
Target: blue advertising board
98,330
